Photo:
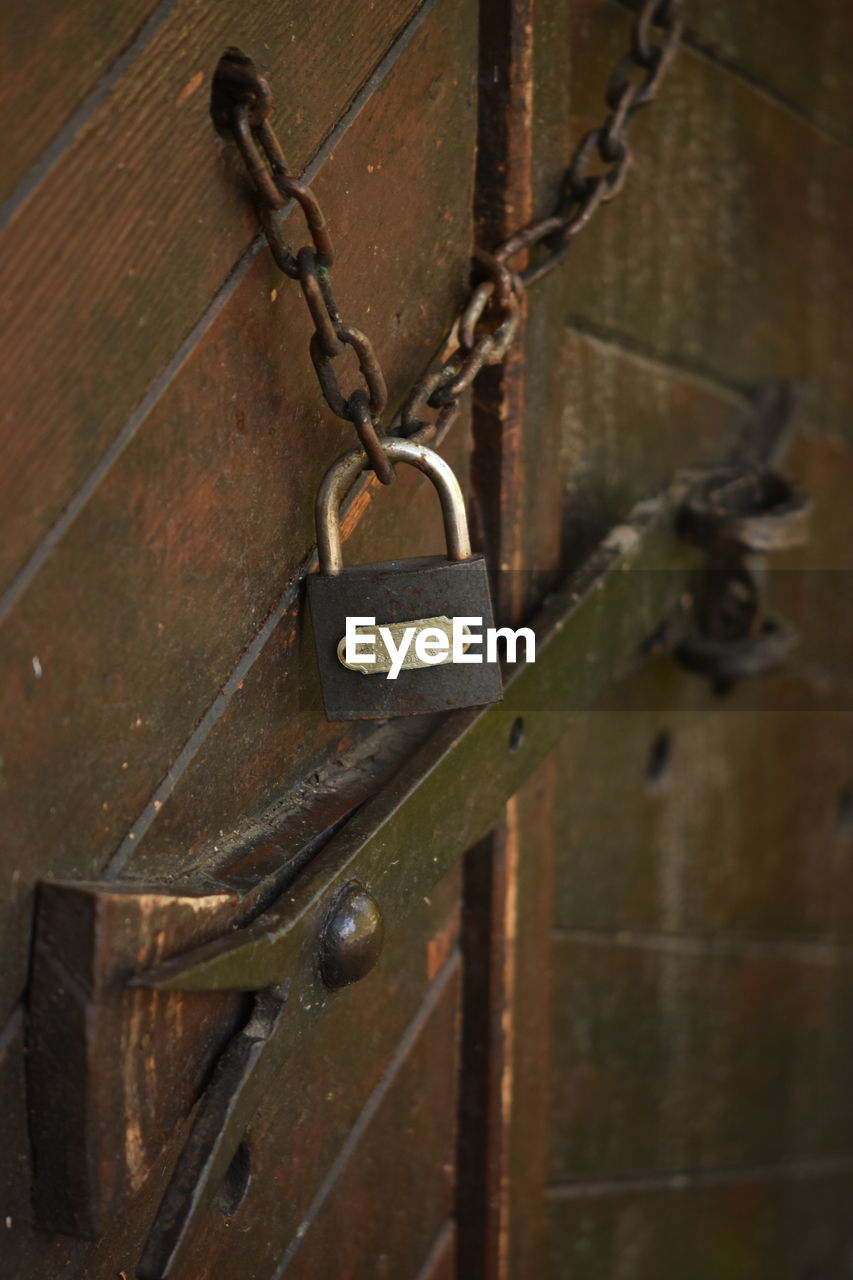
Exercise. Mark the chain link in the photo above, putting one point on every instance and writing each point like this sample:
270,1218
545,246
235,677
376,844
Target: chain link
488,323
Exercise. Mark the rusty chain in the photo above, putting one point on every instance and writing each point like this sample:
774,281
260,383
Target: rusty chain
487,325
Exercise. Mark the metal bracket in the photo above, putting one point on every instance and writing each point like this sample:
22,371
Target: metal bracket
739,515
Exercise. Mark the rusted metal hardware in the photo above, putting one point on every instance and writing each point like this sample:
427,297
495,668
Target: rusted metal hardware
488,323
608,609
352,939
343,471
739,515
762,648
754,508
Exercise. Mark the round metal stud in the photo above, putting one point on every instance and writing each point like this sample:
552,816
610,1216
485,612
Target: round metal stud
352,938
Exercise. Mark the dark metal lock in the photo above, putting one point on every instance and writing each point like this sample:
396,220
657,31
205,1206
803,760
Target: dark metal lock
426,590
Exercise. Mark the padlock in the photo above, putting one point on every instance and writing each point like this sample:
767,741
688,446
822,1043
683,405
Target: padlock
426,591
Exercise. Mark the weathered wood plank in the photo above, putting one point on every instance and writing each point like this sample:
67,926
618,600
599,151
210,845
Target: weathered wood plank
751,1227
812,585
116,255
799,52
334,1089
134,624
607,429
51,57
440,1264
15,1155
503,202
728,250
530,1065
714,841
601,427
111,1071
297,1138
680,1053
396,1188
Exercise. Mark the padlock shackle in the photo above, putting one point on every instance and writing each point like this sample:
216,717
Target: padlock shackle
341,475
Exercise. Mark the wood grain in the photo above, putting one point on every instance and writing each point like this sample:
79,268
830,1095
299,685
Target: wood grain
15,1156
728,251
118,252
503,202
529,1138
440,1264
718,845
786,1226
799,53
51,58
334,1089
111,1071
407,1151
599,431
610,429
295,1141
676,1053
813,585
270,736
206,519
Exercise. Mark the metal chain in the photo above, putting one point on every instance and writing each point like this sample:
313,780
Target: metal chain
487,325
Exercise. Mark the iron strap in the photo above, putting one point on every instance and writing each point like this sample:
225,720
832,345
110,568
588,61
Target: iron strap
609,608
488,322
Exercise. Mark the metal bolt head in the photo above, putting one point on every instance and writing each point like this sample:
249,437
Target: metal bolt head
352,937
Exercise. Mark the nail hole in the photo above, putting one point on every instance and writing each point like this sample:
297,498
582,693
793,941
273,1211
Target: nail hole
516,734
658,761
844,817
235,1184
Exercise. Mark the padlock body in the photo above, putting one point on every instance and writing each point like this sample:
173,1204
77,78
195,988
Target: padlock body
402,591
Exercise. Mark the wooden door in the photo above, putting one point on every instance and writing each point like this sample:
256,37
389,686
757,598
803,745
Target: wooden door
608,1034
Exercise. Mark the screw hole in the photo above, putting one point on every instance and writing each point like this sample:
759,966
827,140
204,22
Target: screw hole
235,1184
658,761
516,734
844,817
